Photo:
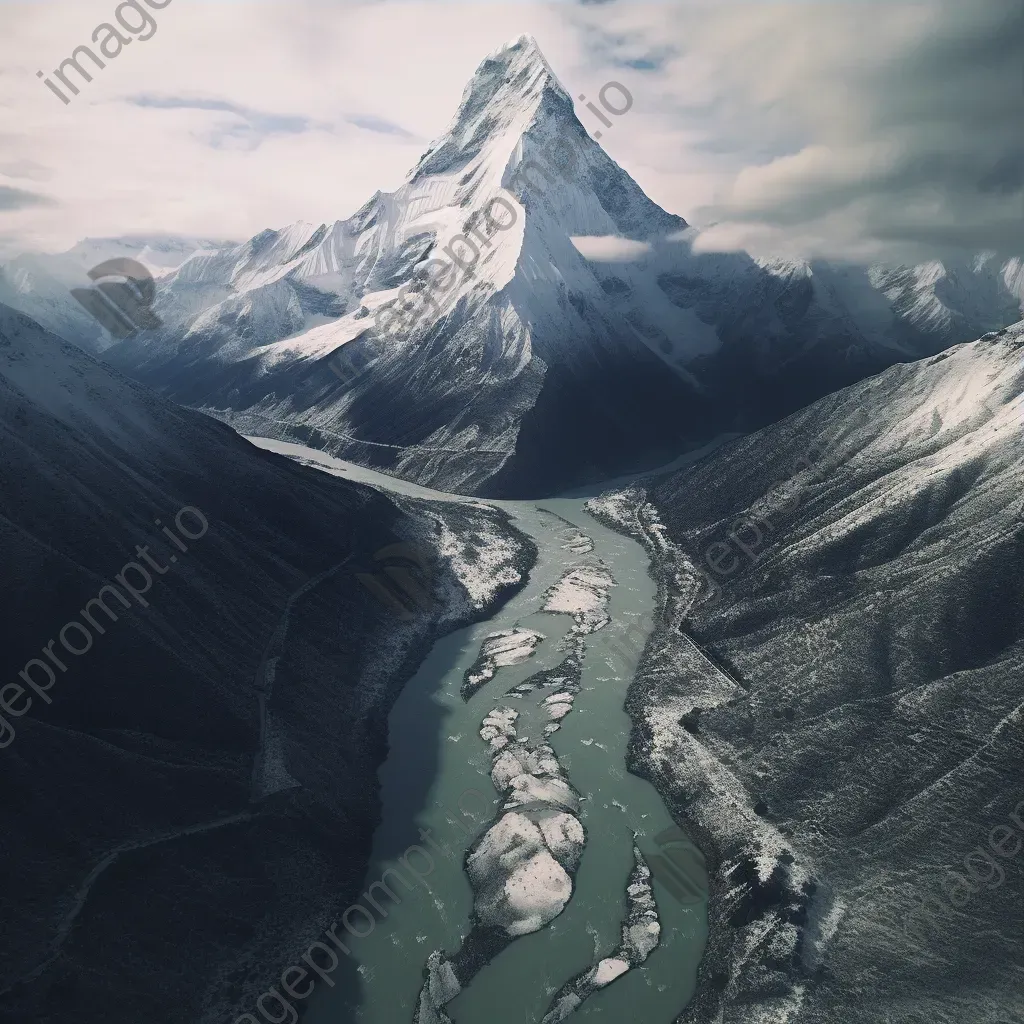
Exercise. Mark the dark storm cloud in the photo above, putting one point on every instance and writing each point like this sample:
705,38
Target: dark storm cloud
848,128
923,151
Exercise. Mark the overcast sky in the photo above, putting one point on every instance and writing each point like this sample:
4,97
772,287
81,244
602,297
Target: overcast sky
862,130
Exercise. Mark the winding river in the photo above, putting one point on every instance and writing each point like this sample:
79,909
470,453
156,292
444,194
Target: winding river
437,759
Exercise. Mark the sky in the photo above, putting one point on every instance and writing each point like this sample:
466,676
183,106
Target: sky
860,131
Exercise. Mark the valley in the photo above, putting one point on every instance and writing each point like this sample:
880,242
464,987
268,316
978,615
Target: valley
599,612
427,770
465,330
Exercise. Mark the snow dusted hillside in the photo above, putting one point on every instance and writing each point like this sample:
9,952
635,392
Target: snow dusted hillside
833,699
786,332
946,301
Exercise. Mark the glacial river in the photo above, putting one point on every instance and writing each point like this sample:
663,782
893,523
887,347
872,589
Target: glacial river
437,755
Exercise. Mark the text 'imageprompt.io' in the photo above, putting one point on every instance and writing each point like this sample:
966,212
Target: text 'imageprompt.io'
110,39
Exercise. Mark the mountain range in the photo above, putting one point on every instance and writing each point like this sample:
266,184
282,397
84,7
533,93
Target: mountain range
543,367
829,697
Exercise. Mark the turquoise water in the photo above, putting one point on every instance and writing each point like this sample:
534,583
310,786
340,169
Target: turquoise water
436,756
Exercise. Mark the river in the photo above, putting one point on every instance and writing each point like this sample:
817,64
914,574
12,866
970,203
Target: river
436,755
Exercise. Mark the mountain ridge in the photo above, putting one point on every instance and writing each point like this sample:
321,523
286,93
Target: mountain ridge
537,368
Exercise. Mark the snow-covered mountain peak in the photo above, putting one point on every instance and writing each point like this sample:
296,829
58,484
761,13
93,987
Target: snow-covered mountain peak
514,73
512,89
526,65
521,280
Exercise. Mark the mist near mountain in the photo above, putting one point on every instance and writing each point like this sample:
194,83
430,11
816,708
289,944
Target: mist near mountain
39,285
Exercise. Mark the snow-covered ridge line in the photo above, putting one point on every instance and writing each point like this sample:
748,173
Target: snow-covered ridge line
760,872
874,696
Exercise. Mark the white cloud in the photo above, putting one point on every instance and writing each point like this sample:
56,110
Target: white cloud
348,68
610,248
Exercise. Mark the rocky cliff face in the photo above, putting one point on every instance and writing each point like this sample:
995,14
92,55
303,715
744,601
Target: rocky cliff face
189,773
832,700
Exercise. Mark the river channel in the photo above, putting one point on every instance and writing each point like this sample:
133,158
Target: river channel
438,762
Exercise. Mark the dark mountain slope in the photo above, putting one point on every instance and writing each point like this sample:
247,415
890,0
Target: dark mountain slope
167,847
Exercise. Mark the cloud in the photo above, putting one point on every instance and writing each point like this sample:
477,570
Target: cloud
251,115
248,127
868,131
244,125
27,169
378,124
848,130
19,199
610,248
